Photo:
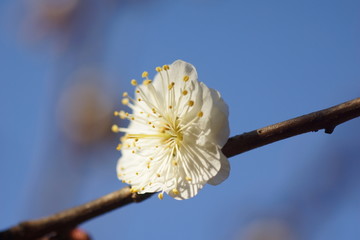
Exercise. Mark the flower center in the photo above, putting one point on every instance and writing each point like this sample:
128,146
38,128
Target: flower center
173,135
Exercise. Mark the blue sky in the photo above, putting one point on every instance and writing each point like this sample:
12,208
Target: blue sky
271,61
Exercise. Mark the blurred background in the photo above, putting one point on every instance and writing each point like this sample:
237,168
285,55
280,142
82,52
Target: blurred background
65,63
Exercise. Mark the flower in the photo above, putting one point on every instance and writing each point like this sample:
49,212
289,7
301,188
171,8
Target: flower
177,129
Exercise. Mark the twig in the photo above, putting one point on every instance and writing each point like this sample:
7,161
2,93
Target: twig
72,217
326,119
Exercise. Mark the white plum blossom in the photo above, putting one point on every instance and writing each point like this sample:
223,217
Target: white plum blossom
177,129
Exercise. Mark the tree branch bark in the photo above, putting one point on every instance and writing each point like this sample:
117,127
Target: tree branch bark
326,119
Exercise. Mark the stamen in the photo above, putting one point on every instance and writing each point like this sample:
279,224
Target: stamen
145,74
115,128
119,146
133,82
133,190
175,191
186,78
200,114
125,94
188,179
191,103
161,196
125,101
166,67
122,114
184,92
147,82
171,85
158,69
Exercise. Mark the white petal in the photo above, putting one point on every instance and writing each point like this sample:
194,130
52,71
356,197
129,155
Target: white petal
223,173
215,116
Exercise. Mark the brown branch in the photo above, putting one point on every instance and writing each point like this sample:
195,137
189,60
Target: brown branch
70,218
326,119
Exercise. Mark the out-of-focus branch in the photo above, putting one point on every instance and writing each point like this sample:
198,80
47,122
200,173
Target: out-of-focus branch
326,119
70,218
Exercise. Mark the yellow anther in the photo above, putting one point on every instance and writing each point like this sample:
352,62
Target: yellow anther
116,113
125,94
170,107
146,82
158,174
145,74
188,179
175,163
171,85
133,151
191,103
184,92
148,165
123,181
122,114
158,69
161,196
137,91
153,110
166,67
143,188
133,118
200,114
133,190
133,82
125,101
136,139
115,128
137,173
119,147
186,78
175,191
139,99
